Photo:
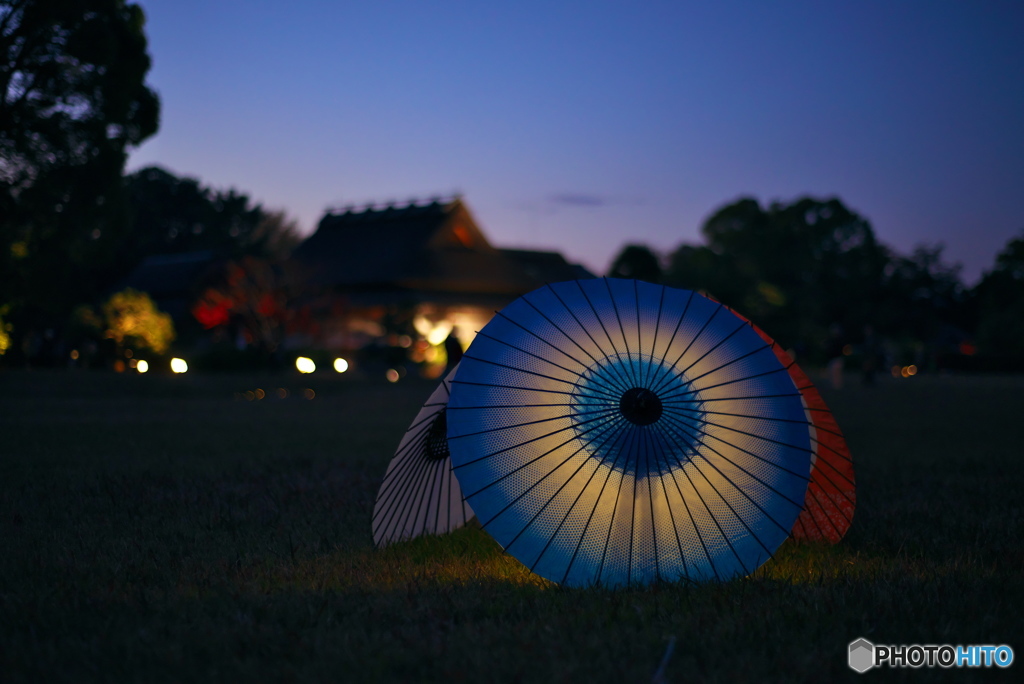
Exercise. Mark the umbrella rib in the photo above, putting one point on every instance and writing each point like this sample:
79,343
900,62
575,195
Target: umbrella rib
682,428
540,358
402,463
590,518
583,462
399,501
579,494
698,433
396,487
532,461
672,337
622,331
412,514
614,404
757,436
814,493
700,332
527,423
513,387
431,502
814,518
715,520
532,439
657,326
803,527
838,453
671,515
834,433
798,506
567,336
712,516
520,370
701,431
448,499
436,502
586,330
756,396
632,508
713,348
689,513
431,415
743,415
726,364
650,500
405,455
547,342
618,355
615,509
837,471
780,369
639,336
689,382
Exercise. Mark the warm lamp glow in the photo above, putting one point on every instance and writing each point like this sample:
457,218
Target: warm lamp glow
340,365
305,364
392,375
178,365
142,366
439,333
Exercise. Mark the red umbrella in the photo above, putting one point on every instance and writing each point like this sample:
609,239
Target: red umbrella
831,494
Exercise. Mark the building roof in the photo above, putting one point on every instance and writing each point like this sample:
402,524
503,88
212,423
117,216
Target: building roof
435,250
547,267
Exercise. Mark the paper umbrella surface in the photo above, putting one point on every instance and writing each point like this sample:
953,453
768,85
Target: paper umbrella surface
832,493
419,495
615,432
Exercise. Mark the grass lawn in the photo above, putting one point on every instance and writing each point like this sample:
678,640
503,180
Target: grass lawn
163,529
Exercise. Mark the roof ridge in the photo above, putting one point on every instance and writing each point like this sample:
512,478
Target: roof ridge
409,205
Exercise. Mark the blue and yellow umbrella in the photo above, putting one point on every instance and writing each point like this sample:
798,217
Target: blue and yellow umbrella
613,432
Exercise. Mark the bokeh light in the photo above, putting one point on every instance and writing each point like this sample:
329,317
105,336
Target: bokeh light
304,364
142,366
392,375
340,365
179,365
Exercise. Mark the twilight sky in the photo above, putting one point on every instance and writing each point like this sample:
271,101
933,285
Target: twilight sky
582,126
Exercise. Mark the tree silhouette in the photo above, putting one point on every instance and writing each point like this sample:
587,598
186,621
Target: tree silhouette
796,269
637,262
72,103
1000,301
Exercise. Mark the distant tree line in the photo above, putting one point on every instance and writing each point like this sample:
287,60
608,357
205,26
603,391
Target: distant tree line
813,269
73,103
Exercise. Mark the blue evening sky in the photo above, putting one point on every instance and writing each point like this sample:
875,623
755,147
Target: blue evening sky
582,126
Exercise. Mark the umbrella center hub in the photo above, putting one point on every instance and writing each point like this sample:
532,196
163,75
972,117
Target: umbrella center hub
435,446
640,406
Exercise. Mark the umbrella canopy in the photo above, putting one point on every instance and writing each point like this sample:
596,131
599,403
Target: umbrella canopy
831,494
419,494
616,432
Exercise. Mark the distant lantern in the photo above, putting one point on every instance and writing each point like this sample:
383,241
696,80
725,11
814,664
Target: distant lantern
305,364
178,365
340,365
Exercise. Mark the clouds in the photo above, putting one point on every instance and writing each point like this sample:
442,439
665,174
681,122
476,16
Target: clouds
578,199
